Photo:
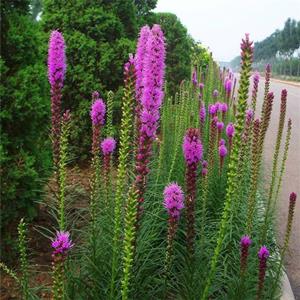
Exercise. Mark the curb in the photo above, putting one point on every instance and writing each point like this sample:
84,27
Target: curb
287,293
293,83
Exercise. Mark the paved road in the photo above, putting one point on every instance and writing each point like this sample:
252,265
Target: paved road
291,180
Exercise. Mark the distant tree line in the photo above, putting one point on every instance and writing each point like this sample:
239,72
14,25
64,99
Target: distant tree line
281,49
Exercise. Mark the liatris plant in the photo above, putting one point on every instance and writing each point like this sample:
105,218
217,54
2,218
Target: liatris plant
125,137
151,100
254,175
109,114
129,241
223,109
284,158
220,126
222,154
215,94
245,244
56,75
173,203
263,255
246,140
228,87
22,245
108,146
193,152
278,143
254,91
230,133
202,115
246,55
97,113
140,64
267,89
204,168
293,197
63,157
61,245
212,109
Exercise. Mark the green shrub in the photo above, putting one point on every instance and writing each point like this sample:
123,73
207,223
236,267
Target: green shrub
25,151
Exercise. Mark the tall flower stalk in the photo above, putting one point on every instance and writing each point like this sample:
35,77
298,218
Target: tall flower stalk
254,91
263,255
61,246
267,89
173,203
122,170
63,159
193,152
22,245
293,197
151,100
277,148
246,56
284,158
56,74
129,242
255,158
97,115
109,114
108,146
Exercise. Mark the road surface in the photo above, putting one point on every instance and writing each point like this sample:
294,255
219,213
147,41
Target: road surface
291,179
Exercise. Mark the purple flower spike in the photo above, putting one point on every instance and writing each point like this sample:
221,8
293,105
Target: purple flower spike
215,94
202,113
62,243
192,147
204,172
263,253
245,241
212,109
204,164
98,112
201,86
222,151
140,60
249,115
230,130
108,146
245,244
56,59
221,142
293,197
224,107
220,126
173,200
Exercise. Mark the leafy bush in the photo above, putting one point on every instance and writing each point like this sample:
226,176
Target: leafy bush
25,153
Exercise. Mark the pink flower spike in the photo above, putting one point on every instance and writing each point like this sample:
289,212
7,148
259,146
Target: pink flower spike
230,130
98,112
62,242
173,200
108,146
192,147
263,253
222,151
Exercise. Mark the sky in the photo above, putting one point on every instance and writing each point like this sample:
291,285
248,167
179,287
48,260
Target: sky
220,24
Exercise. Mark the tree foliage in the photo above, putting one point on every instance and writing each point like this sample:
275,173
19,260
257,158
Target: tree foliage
24,114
